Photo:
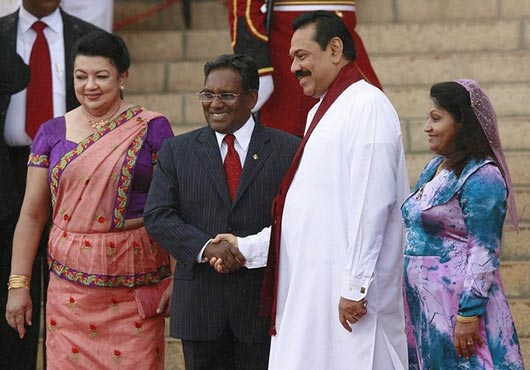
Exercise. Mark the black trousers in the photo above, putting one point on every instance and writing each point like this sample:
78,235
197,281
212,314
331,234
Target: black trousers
16,353
225,353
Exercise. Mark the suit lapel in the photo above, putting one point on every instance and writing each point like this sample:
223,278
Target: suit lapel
70,34
208,153
9,31
258,153
8,40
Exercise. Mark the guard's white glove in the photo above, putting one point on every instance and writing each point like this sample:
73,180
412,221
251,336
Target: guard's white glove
266,87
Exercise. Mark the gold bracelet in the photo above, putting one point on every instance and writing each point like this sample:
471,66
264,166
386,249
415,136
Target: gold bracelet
15,277
17,285
18,281
466,319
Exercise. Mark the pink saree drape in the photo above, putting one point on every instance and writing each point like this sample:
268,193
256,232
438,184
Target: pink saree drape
92,318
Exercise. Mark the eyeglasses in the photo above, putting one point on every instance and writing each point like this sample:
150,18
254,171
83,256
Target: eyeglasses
208,97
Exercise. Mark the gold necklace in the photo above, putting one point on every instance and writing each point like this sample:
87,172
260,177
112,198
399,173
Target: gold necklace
103,123
99,125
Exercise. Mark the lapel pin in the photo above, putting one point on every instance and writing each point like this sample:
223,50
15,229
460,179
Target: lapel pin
255,156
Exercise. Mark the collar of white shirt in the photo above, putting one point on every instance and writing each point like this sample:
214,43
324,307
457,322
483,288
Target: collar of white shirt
243,136
53,20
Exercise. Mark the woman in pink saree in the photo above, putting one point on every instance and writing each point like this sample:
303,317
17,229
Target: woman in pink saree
94,166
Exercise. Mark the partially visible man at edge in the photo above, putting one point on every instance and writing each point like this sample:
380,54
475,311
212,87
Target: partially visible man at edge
17,36
336,218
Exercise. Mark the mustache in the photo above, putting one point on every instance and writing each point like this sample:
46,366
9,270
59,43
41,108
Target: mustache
301,73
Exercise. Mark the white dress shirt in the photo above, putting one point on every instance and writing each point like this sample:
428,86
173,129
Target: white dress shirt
15,126
241,143
97,12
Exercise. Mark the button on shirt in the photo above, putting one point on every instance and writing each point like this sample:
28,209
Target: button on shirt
15,130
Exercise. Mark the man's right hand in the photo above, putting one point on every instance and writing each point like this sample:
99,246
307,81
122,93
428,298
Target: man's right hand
222,252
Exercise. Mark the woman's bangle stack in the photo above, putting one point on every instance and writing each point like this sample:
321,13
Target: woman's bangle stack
466,319
18,281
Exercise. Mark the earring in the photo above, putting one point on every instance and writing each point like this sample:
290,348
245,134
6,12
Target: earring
122,87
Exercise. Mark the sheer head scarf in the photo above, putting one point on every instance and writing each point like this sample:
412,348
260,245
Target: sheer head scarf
487,118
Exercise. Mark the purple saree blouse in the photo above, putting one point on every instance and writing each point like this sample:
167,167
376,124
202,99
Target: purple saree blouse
50,145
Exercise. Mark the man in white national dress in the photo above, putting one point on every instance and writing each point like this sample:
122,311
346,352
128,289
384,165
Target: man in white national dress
335,259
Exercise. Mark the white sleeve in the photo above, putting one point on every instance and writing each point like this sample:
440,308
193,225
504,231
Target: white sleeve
372,197
255,248
99,13
200,257
266,87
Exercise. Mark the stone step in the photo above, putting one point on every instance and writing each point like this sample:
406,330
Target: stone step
200,45
515,245
394,71
205,14
174,359
379,39
509,99
516,279
427,11
448,36
210,14
525,349
412,69
521,314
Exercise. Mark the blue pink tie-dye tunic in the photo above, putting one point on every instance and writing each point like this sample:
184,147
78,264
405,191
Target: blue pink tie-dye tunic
451,267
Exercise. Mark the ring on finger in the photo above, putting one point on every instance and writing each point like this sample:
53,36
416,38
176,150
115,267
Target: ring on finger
469,342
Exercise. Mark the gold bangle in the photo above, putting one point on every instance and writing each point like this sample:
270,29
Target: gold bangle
466,319
18,281
17,285
19,278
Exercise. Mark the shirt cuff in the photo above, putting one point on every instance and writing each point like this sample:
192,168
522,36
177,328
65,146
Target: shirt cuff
255,257
471,305
354,290
200,257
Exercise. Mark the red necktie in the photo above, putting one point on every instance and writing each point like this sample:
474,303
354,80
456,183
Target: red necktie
39,96
232,166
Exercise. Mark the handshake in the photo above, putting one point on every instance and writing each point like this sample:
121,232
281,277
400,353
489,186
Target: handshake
222,253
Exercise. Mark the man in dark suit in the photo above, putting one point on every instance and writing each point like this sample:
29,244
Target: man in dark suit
14,148
193,198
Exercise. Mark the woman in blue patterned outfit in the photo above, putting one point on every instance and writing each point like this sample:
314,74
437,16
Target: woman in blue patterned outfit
457,314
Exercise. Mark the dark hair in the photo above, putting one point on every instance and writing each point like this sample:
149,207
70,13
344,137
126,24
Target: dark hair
242,64
103,44
470,141
328,25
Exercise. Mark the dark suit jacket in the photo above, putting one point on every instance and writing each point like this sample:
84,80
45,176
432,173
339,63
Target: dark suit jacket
73,28
189,203
14,77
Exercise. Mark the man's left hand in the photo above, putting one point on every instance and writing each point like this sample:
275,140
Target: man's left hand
351,311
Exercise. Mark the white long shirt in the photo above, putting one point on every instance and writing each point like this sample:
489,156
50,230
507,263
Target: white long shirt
342,235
